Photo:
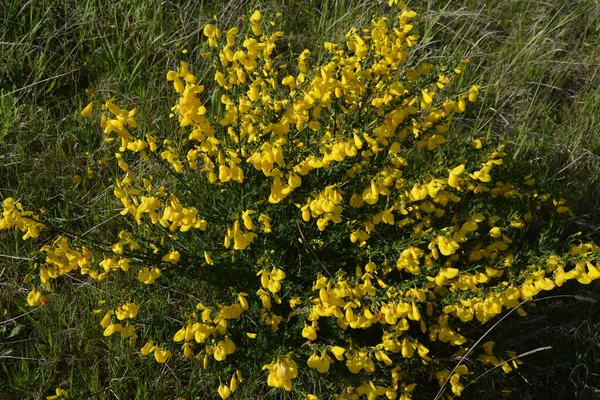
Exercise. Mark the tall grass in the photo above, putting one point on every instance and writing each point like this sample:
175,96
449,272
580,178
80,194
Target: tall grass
539,67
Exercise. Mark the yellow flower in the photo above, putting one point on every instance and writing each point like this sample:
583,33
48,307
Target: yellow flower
148,348
208,258
295,301
147,275
272,280
87,111
255,19
473,93
161,355
281,373
243,302
309,332
457,387
454,173
478,144
172,257
223,349
359,361
187,350
593,271
447,246
320,363
233,383
127,310
59,394
266,221
338,352
34,298
112,328
128,331
407,348
224,391
495,232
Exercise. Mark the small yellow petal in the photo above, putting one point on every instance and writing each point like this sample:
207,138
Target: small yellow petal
224,391
87,111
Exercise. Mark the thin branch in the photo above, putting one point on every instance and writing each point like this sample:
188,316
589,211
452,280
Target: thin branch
18,316
312,250
507,361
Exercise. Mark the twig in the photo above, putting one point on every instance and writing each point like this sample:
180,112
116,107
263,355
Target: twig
507,361
16,258
24,358
18,316
312,251
571,163
100,224
38,82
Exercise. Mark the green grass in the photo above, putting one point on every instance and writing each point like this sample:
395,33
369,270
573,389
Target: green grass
539,67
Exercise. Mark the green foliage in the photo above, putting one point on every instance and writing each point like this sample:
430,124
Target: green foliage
119,57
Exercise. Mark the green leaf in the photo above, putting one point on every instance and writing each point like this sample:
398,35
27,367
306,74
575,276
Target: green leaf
5,351
15,331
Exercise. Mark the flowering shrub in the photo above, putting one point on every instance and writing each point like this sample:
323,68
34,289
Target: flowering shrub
320,220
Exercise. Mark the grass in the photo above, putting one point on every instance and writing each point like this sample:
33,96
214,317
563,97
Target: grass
539,67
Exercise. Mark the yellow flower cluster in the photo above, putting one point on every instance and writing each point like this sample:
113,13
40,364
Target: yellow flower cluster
211,331
13,215
226,391
174,214
455,384
36,297
325,207
281,373
241,239
488,358
61,259
161,355
123,312
402,243
358,118
53,261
